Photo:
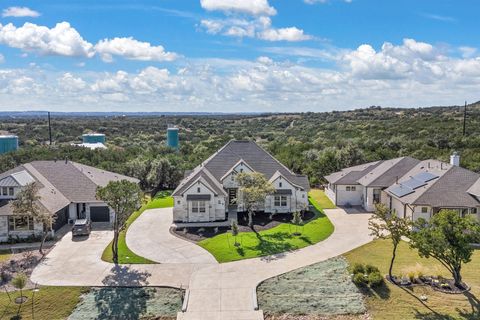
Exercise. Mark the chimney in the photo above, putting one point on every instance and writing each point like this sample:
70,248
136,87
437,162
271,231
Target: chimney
455,159
396,180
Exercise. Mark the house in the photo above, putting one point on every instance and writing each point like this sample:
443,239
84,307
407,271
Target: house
410,187
67,189
211,193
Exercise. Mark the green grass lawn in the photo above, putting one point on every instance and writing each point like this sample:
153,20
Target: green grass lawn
392,302
322,199
276,240
48,303
5,255
125,255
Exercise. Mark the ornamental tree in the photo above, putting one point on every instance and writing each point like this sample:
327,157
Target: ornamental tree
124,197
447,237
385,224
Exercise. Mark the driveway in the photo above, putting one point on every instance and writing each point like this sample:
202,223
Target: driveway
149,237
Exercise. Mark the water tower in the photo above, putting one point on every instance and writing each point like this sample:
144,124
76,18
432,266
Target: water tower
172,137
8,143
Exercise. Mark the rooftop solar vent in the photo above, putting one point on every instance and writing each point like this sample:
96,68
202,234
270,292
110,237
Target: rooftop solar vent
425,176
401,191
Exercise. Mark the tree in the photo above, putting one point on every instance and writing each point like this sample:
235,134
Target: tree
124,197
386,224
297,220
254,188
235,232
164,173
26,204
19,282
447,237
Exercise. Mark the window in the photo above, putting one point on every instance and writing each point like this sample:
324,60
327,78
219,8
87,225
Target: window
424,209
178,202
280,184
10,191
280,201
353,188
241,170
5,191
198,190
21,223
198,206
348,188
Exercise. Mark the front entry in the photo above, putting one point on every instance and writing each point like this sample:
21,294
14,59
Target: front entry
232,196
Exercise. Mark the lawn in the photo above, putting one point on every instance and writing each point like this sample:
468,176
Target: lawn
273,241
125,255
49,303
5,255
393,302
322,199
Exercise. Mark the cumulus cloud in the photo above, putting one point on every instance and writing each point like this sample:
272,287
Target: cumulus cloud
252,7
260,28
60,40
18,12
132,49
411,73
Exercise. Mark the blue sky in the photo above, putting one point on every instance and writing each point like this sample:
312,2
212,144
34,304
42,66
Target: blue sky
232,55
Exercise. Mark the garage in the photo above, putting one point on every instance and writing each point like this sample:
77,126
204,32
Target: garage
99,214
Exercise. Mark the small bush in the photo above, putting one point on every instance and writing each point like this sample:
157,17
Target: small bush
371,269
359,279
375,279
357,268
411,276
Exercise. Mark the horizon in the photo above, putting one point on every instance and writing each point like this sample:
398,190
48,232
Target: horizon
218,56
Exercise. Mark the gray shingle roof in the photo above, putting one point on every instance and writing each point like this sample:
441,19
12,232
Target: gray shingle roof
256,157
351,175
386,174
62,183
451,190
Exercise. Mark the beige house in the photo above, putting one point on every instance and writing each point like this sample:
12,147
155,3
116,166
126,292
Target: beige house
210,193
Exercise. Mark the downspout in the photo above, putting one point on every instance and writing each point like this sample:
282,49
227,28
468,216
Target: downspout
413,211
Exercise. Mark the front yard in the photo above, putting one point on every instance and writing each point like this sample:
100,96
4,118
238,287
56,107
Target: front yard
125,255
276,240
405,303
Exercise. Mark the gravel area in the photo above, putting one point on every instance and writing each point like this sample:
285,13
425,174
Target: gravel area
129,303
322,289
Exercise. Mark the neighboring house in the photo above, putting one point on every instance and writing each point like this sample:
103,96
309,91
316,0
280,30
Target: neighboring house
210,192
66,189
410,187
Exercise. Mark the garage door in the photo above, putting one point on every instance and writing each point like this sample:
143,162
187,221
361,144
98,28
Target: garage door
99,214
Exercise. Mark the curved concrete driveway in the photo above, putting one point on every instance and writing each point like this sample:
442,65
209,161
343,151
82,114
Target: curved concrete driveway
149,237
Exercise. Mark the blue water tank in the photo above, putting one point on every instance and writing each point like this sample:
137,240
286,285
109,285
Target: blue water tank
8,143
93,138
172,137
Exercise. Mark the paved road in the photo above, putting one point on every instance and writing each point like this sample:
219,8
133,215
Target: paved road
217,291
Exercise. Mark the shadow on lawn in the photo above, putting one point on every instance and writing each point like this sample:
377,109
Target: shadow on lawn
382,292
268,247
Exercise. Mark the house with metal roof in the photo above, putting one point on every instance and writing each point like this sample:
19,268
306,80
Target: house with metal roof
67,189
210,192
410,187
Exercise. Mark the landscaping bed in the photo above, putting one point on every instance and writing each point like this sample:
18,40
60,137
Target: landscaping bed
322,289
437,283
129,303
261,221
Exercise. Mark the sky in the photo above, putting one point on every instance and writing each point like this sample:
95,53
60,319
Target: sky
237,55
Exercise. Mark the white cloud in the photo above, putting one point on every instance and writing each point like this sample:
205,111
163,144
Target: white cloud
468,52
408,74
252,7
132,49
260,28
60,40
18,12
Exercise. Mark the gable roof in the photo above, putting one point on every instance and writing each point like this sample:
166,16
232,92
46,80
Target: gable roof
252,154
61,183
351,175
451,190
387,173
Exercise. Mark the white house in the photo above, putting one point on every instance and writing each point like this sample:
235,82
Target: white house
66,189
410,187
210,192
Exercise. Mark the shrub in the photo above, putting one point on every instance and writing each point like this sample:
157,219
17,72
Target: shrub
375,279
359,279
411,275
370,269
357,268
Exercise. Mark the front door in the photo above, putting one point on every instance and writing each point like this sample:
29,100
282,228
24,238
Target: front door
232,196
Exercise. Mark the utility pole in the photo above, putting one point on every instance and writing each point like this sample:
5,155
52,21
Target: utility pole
49,129
465,120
